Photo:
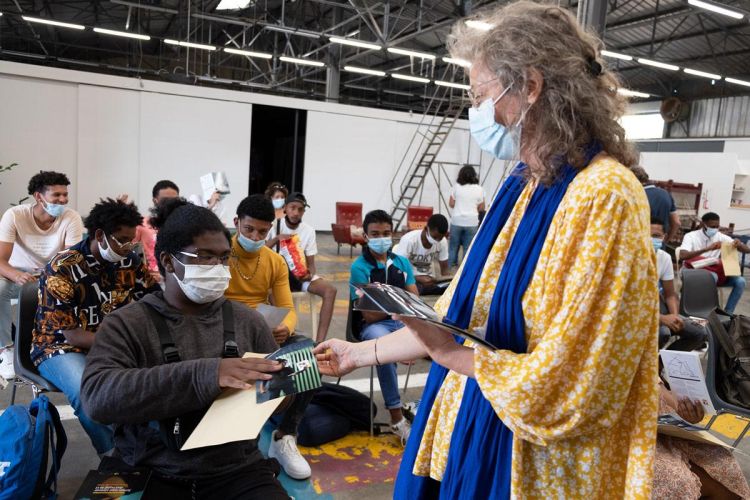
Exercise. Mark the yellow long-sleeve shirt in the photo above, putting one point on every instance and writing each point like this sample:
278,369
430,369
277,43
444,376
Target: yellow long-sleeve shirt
255,275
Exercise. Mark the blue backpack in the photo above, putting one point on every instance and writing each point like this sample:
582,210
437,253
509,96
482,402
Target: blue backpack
27,437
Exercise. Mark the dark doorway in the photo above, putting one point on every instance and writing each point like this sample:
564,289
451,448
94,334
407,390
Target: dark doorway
277,147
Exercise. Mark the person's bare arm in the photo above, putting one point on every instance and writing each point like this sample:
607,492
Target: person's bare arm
674,226
412,288
79,338
310,265
452,202
741,246
373,317
685,254
670,296
444,268
480,207
9,272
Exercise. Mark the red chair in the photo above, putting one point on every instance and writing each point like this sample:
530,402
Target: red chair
416,217
348,214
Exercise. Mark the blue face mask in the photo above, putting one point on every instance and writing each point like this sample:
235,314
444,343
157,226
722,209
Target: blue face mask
711,231
249,245
54,209
498,140
380,245
658,242
278,203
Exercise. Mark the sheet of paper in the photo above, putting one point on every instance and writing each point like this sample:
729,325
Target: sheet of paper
699,436
207,186
272,314
234,416
686,379
729,259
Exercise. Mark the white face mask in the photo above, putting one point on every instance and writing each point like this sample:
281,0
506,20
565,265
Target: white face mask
108,254
432,241
203,284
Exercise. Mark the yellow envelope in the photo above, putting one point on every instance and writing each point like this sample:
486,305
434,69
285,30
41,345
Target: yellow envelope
234,416
729,259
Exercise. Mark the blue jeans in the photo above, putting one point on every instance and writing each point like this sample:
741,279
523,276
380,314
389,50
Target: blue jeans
65,371
738,287
386,373
461,236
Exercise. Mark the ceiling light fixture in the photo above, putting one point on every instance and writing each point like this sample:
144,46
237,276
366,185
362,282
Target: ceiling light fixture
354,43
452,85
307,62
232,4
479,25
364,71
633,93
718,9
410,78
125,34
189,44
737,82
53,23
411,53
712,76
292,31
617,55
247,53
657,64
458,62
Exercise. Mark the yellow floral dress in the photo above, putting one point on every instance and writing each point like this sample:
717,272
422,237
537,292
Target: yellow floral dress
582,402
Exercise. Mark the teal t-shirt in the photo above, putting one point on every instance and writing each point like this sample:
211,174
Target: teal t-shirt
361,269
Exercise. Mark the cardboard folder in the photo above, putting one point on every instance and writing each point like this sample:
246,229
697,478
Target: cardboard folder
729,259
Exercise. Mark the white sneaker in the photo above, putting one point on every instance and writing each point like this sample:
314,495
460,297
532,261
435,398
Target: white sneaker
6,364
402,429
286,452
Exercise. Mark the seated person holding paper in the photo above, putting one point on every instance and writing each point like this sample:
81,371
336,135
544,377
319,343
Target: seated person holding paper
78,289
422,247
685,469
284,229
705,243
691,336
133,379
378,264
256,269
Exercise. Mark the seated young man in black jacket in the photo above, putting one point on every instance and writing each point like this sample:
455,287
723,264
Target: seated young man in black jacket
155,395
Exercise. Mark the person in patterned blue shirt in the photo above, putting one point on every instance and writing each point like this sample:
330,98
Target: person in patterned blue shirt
77,289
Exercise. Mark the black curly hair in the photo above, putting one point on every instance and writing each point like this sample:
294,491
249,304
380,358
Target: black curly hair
258,207
438,222
377,216
44,179
179,222
109,215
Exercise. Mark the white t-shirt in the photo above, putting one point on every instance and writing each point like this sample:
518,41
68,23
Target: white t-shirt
421,258
696,240
305,232
468,196
664,268
33,247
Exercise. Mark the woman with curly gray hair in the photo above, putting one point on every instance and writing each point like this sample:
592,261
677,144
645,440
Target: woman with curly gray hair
560,280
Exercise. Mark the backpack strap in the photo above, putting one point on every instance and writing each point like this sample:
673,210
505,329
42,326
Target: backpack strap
231,350
721,335
168,347
278,230
58,442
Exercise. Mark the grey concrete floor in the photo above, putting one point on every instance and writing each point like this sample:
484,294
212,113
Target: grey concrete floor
81,457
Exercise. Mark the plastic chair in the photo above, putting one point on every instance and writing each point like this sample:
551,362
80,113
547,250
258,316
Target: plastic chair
417,216
25,369
699,296
712,376
348,214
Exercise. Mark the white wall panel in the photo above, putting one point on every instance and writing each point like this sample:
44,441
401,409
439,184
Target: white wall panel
38,130
182,138
108,123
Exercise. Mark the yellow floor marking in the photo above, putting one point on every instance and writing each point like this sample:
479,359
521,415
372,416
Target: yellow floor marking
355,444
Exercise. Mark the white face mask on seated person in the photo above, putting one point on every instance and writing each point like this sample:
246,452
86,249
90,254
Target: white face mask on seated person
203,283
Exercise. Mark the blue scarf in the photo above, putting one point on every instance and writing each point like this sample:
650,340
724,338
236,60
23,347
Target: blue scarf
480,455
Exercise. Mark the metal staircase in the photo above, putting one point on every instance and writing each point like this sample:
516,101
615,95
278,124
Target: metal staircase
444,108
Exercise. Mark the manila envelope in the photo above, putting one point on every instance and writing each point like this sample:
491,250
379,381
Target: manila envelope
234,416
729,259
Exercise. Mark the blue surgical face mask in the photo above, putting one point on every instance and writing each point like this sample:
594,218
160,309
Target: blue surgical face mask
249,245
278,203
658,242
711,231
380,245
498,140
54,209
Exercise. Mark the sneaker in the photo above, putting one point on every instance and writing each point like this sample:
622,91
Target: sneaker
6,364
402,429
286,452
410,410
